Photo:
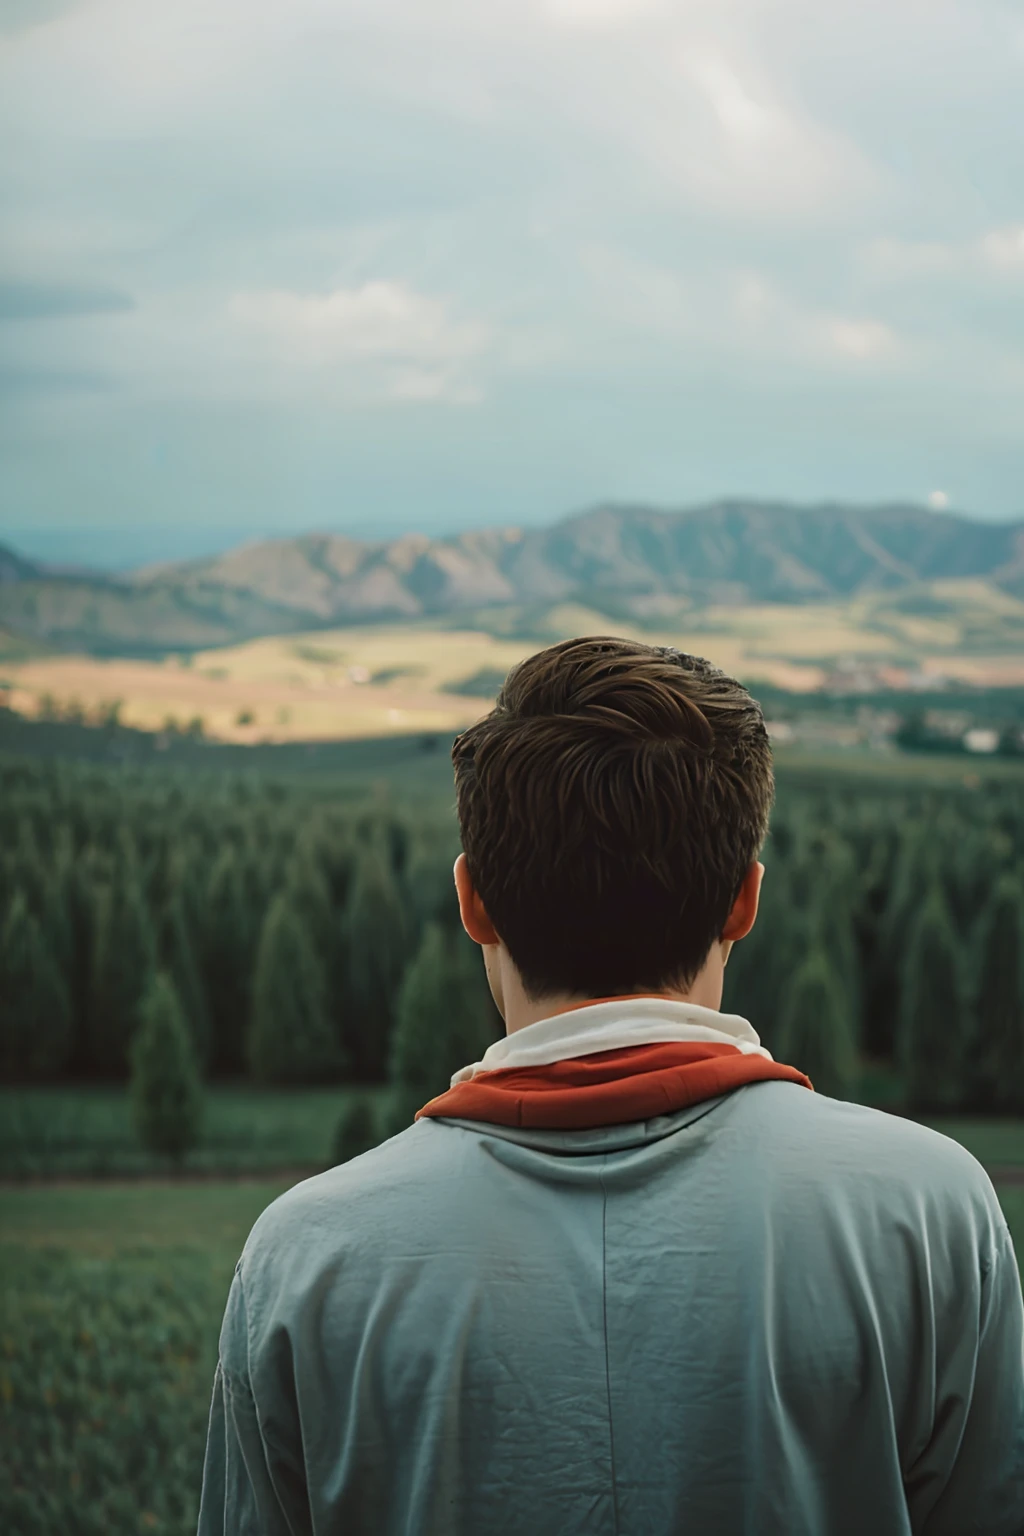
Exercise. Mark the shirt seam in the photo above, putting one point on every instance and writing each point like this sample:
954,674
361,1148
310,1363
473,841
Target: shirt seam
607,1351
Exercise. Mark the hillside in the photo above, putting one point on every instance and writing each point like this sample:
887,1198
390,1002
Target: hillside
634,562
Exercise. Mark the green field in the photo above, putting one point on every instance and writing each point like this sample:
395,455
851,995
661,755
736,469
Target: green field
996,1142
83,1131
86,1132
109,1315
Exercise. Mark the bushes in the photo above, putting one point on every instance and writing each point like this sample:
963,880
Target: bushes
357,1130
105,1372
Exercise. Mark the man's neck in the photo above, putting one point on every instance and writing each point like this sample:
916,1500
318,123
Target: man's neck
520,1009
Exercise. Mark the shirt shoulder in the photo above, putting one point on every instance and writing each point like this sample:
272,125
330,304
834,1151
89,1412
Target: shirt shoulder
870,1157
353,1207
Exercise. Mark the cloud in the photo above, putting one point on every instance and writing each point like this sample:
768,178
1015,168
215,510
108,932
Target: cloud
576,212
754,149
745,119
863,340
59,301
602,13
893,260
994,251
741,313
1004,249
415,348
781,323
23,15
21,383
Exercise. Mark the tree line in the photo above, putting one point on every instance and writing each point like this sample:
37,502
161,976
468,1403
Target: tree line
297,932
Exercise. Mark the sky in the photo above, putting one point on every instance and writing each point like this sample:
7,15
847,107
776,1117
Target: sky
389,264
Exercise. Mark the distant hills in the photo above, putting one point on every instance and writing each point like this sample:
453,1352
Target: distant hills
628,561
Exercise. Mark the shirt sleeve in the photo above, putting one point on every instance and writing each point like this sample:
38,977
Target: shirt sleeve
976,1454
241,1489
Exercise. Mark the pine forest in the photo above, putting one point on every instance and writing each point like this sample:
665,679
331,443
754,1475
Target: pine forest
298,931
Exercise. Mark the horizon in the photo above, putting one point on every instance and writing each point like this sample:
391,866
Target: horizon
121,551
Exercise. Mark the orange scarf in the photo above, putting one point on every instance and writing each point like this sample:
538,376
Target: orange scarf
608,1088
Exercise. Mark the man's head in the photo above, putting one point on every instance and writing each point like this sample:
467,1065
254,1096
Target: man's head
612,806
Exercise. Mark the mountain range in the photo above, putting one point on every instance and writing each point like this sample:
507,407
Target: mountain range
629,561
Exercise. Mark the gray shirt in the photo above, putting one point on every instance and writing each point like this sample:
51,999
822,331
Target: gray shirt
769,1313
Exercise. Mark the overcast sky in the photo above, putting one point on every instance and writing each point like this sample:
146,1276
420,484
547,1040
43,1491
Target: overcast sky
423,263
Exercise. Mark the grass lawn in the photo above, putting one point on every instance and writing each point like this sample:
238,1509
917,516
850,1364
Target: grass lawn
109,1313
87,1131
111,1219
1011,1198
996,1143
84,1131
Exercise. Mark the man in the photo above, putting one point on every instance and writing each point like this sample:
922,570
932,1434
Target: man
630,1275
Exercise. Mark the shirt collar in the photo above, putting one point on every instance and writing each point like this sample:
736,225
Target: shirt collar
614,1025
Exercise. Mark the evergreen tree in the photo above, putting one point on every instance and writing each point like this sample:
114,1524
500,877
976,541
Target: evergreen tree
356,1131
759,974
376,931
290,1040
430,882
997,1063
178,959
229,952
914,873
35,1011
166,1091
932,1013
834,901
310,897
817,1033
445,1019
123,960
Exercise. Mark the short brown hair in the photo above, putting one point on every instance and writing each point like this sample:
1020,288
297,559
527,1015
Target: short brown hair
610,805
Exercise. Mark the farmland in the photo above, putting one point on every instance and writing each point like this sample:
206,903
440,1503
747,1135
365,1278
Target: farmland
371,681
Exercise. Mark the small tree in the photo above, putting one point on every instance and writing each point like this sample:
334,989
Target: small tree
817,1033
122,962
376,931
166,1091
445,1019
429,882
35,1012
178,959
998,1054
228,941
356,1131
758,976
290,1040
932,1012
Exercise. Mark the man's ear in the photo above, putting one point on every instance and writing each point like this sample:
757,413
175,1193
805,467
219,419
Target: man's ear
744,909
471,909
